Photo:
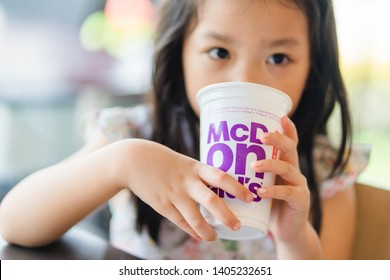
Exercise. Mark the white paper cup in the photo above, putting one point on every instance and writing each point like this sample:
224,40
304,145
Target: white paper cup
232,116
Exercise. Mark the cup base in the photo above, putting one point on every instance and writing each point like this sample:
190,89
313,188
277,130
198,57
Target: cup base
250,229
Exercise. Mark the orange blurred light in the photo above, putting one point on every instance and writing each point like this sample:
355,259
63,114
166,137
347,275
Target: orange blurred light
128,14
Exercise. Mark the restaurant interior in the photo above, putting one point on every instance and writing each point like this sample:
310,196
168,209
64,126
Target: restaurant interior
61,59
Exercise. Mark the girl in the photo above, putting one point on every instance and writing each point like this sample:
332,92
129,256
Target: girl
287,44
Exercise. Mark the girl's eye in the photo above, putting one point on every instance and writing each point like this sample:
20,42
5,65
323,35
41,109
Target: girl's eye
278,59
219,53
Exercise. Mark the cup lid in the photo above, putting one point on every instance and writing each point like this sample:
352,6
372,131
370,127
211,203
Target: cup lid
243,85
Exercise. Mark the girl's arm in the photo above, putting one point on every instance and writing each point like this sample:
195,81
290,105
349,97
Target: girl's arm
47,203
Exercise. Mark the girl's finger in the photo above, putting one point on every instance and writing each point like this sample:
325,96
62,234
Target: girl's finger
216,178
286,145
191,216
214,204
294,196
291,132
172,214
289,129
287,171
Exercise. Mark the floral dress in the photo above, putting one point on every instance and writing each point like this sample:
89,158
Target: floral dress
120,123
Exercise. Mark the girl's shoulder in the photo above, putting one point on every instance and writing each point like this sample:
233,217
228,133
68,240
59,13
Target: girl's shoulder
325,155
118,123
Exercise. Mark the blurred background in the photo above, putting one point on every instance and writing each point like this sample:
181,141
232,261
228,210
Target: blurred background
60,59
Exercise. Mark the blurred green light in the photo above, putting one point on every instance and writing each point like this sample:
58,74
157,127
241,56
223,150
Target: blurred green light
92,32
100,33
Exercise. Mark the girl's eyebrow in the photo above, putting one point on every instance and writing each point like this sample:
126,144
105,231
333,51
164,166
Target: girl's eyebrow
219,37
289,42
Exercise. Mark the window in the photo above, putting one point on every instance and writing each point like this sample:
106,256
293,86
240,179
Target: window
364,43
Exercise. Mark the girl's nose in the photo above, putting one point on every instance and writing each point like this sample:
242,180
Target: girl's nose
250,72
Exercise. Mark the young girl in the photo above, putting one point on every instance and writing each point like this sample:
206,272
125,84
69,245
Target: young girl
154,187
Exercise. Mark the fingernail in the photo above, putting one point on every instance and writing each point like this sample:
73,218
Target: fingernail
236,226
249,198
264,137
257,163
261,190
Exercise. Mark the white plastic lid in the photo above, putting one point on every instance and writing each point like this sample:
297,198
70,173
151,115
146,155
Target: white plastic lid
239,89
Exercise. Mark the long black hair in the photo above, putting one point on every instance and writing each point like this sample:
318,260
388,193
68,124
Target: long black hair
176,125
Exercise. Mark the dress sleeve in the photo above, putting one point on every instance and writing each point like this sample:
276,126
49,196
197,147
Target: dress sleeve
325,155
117,123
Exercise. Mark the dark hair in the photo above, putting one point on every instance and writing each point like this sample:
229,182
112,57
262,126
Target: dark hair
177,126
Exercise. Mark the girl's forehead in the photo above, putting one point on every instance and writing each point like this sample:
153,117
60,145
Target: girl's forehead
247,11
239,7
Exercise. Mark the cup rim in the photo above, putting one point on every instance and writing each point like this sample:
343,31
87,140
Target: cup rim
214,86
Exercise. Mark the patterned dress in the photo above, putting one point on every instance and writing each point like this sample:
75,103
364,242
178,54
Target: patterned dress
120,123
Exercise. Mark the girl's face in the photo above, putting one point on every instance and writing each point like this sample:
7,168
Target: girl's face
264,42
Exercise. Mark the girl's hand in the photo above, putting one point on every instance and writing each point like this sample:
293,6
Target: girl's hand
290,210
173,185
